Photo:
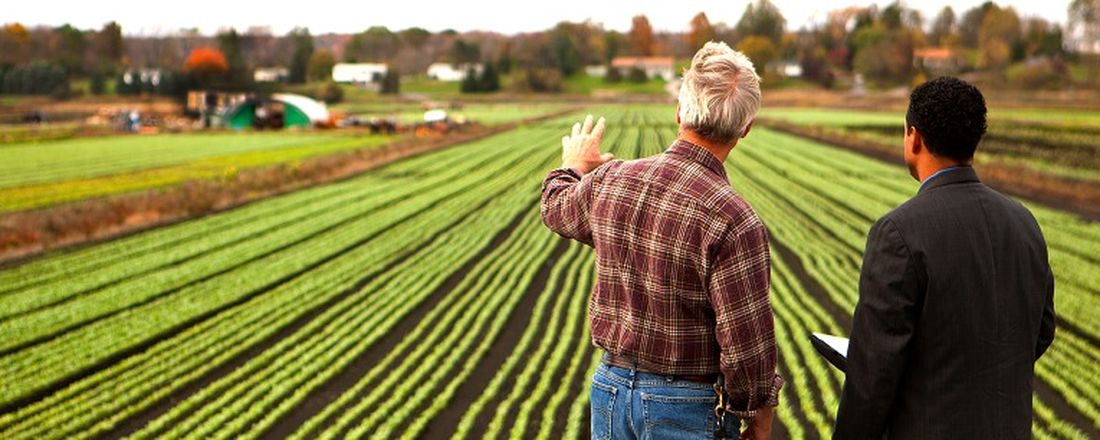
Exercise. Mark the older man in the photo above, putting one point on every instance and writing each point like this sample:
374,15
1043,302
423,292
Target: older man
681,303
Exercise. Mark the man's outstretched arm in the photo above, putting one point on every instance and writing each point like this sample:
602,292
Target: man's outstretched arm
567,191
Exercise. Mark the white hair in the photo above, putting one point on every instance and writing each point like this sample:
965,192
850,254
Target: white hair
719,94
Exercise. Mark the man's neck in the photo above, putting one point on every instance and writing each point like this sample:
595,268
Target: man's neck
718,151
935,165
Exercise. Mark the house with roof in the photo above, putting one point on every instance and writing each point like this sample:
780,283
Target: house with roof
938,60
270,74
358,72
654,67
452,72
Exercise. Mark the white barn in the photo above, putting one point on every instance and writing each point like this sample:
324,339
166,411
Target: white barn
358,72
449,72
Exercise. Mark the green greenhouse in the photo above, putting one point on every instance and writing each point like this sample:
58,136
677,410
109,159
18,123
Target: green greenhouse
277,111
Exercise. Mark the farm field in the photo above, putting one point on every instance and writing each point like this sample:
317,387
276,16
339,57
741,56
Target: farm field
425,299
1064,143
37,174
488,114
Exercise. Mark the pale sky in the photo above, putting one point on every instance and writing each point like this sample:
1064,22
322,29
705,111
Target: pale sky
160,17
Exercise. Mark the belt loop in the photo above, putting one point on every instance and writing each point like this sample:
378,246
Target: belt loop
633,372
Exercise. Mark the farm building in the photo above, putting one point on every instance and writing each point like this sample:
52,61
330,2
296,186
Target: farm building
279,111
358,72
451,72
939,60
270,74
598,71
654,67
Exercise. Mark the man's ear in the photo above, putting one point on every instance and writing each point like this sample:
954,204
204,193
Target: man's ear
677,113
917,145
748,128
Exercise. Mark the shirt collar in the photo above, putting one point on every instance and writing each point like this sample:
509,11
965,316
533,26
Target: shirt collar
697,154
959,174
937,173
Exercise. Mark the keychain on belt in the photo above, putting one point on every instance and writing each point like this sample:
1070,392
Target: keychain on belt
720,411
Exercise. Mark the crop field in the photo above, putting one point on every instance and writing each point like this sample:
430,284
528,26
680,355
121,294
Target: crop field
425,299
488,114
37,174
1064,143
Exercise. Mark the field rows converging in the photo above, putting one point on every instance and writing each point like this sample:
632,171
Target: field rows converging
425,299
38,174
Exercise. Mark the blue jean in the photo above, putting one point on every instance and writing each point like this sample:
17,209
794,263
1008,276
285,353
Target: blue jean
633,405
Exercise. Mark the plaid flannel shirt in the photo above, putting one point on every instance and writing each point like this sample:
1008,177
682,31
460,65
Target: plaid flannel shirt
683,268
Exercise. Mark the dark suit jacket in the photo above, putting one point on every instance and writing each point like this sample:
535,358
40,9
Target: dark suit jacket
956,302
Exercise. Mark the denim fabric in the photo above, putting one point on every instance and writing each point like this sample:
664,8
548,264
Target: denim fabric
634,405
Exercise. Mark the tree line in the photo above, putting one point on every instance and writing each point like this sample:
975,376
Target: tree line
879,43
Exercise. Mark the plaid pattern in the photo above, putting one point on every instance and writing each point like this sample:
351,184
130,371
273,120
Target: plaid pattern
683,268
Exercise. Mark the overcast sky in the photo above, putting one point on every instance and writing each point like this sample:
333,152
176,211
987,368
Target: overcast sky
159,17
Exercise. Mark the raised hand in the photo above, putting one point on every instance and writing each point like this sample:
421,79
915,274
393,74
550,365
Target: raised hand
581,150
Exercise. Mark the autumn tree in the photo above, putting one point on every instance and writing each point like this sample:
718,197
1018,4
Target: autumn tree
944,30
760,50
1084,26
320,65
615,44
999,36
207,64
971,24
701,31
15,44
642,42
1040,38
762,18
884,46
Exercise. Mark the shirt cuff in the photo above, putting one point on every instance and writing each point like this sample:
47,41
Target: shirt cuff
566,170
771,399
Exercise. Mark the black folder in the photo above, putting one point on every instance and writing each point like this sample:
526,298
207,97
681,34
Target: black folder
833,348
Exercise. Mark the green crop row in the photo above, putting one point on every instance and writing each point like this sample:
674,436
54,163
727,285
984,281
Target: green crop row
269,304
47,174
373,221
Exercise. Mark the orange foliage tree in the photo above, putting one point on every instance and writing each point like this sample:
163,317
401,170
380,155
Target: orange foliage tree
206,63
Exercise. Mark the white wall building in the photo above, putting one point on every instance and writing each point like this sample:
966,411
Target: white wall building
654,67
598,71
270,74
358,72
450,72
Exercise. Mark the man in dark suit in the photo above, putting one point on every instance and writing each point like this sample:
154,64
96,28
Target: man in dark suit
956,298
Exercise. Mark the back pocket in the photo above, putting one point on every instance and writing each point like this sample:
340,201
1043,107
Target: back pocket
677,413
602,400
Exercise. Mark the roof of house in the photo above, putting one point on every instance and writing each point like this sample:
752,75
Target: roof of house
934,53
642,61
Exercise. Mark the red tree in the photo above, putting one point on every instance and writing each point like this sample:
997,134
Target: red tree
206,62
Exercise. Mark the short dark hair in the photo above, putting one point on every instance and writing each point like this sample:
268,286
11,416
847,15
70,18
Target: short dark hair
950,115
